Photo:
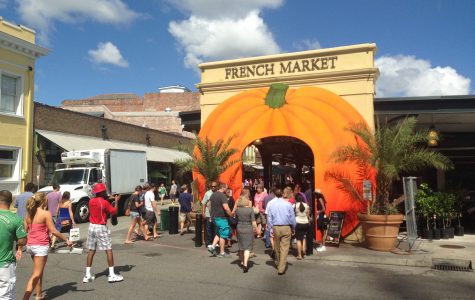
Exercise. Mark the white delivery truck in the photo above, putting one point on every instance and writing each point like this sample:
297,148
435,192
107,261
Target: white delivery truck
119,170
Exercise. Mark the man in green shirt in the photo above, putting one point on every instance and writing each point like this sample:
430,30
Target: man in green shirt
11,229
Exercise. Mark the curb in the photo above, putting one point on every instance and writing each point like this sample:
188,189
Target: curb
423,262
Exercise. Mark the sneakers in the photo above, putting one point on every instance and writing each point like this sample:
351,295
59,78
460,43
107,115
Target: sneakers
321,249
88,278
223,255
211,249
115,278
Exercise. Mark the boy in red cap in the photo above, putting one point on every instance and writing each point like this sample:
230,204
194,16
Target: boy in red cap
98,236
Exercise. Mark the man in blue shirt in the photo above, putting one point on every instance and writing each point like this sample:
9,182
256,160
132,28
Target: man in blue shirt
281,222
20,200
185,199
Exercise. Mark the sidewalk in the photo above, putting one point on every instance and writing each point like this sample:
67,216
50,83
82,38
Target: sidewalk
422,254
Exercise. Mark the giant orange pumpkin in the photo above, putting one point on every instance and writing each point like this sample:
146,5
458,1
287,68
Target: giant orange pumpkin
314,115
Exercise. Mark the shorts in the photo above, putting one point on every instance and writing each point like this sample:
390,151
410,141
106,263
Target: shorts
7,281
134,214
98,237
222,227
37,250
301,231
185,217
150,218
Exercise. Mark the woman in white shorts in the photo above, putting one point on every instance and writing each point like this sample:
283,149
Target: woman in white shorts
38,224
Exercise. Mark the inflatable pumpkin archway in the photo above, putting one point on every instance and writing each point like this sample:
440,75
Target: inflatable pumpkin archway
314,115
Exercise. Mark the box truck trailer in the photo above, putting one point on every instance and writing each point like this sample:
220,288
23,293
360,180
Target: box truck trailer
120,170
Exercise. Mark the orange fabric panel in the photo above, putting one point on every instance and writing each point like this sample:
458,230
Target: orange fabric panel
314,115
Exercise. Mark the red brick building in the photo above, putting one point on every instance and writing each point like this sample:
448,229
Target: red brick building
160,111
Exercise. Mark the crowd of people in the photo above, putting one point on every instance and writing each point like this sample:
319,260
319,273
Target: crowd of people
277,216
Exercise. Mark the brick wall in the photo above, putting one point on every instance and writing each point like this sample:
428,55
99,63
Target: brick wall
151,102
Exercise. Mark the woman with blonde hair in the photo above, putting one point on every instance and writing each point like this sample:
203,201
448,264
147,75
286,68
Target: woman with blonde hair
246,227
38,223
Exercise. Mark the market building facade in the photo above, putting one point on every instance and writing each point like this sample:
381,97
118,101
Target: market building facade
300,120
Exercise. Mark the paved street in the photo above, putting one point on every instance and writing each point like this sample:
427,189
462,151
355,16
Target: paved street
172,268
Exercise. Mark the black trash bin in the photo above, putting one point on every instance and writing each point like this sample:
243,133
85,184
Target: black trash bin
199,230
173,226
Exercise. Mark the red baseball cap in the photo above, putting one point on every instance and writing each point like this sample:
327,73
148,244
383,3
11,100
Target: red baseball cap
99,187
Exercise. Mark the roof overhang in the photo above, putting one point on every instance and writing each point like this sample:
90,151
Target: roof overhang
71,142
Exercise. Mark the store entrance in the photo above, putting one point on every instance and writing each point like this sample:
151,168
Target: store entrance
279,161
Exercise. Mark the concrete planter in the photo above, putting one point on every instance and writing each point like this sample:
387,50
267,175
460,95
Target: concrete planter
380,230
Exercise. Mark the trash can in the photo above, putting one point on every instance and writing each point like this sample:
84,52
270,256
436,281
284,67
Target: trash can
164,219
199,230
173,225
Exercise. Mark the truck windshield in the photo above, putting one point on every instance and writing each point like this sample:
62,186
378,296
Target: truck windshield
69,177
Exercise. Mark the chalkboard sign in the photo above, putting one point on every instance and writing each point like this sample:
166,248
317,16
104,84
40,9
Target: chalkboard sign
335,224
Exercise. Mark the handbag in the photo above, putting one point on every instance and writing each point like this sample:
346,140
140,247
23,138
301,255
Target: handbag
74,234
232,221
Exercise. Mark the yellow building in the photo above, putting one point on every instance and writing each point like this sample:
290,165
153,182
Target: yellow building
18,53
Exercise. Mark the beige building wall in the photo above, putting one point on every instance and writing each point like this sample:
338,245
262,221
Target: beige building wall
346,71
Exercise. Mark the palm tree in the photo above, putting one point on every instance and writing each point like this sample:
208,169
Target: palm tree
210,160
390,151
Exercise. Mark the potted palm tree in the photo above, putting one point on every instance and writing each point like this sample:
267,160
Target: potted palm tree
388,152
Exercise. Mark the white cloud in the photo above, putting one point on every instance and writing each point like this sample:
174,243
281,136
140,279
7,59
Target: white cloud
408,76
107,53
42,14
223,29
216,9
306,45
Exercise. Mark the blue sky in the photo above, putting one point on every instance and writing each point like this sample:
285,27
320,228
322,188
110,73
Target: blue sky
426,47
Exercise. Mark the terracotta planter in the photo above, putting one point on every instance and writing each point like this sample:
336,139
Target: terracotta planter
380,230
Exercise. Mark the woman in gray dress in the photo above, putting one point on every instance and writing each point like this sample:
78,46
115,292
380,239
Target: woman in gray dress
246,228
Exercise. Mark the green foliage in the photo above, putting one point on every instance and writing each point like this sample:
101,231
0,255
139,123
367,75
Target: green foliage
210,160
436,205
391,150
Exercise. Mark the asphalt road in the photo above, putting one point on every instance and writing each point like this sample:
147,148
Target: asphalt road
172,268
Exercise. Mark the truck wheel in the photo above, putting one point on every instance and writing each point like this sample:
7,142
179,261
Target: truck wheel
81,214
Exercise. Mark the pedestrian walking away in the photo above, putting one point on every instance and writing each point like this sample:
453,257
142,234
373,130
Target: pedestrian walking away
98,236
219,211
11,230
246,228
20,200
281,219
38,224
302,215
54,198
65,217
185,199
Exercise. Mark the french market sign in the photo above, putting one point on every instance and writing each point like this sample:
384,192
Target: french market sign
281,68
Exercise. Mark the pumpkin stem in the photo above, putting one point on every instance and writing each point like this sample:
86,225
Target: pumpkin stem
276,95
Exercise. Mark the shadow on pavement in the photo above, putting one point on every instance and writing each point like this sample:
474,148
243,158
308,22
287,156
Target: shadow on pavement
59,290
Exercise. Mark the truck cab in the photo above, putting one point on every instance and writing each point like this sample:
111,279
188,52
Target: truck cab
77,174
